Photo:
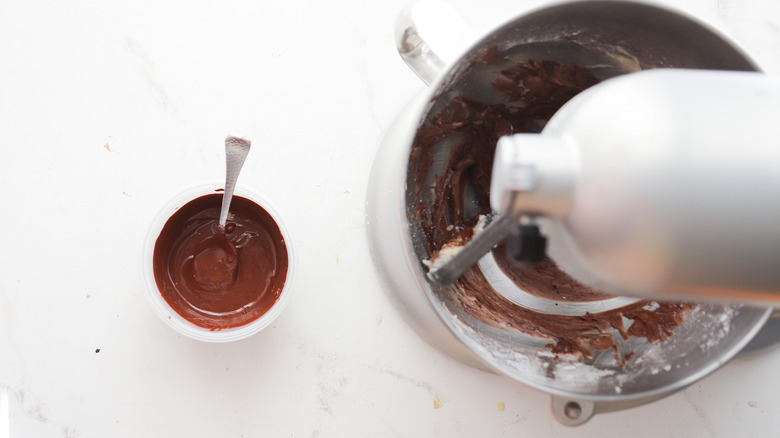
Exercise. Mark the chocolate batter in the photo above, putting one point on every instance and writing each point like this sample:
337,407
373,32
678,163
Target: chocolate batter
215,279
453,156
546,280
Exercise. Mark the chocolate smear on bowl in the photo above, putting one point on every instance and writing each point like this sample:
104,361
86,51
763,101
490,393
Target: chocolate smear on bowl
452,155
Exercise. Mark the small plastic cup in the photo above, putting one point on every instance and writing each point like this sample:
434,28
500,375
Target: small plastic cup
167,313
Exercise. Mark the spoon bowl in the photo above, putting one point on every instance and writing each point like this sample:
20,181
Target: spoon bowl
215,263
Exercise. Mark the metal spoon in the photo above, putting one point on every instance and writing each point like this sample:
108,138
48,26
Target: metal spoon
216,257
236,150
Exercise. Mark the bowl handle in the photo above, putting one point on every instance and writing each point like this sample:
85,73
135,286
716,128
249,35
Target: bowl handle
429,34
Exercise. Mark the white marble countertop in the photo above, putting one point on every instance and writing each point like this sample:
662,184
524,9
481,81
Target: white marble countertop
109,108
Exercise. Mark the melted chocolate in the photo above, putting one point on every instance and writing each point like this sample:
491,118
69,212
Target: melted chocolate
215,263
201,277
447,205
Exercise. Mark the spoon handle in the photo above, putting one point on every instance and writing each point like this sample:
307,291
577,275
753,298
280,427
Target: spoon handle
236,150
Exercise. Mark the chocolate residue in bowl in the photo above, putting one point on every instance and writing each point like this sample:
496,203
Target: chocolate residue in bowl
452,158
546,280
582,335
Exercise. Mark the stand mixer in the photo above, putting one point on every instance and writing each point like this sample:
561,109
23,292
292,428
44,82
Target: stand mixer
663,184
616,193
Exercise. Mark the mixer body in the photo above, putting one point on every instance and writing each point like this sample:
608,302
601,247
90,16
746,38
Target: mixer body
661,183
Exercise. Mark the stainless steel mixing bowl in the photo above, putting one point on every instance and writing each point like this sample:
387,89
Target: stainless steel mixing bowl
609,38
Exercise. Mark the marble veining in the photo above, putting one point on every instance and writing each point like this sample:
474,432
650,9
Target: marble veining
108,109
